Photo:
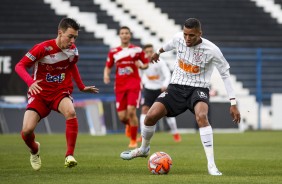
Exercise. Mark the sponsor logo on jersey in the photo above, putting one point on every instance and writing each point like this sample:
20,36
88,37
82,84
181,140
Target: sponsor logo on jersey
153,77
188,67
55,78
125,71
30,56
202,94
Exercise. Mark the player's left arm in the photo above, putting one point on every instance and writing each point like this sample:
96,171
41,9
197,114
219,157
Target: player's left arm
79,83
223,68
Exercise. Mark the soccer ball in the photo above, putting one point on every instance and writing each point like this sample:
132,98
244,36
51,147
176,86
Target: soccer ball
159,163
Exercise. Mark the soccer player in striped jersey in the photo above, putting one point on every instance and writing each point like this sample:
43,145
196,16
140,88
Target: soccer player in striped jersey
155,80
50,87
127,87
196,58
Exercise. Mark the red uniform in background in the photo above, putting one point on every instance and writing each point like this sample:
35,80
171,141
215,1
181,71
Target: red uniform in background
128,81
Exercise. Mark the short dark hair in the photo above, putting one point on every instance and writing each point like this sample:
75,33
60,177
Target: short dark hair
66,23
124,27
192,23
147,46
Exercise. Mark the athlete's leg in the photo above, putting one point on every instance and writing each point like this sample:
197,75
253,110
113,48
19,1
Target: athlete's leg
30,121
67,109
144,111
206,133
155,113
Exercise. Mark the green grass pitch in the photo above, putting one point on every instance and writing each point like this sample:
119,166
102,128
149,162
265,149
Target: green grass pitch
251,157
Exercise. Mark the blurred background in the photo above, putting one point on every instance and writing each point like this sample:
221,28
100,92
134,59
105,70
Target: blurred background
248,32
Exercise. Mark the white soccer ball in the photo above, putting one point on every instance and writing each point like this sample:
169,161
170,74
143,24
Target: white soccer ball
159,163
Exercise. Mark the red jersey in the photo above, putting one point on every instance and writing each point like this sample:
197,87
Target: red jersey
53,65
127,75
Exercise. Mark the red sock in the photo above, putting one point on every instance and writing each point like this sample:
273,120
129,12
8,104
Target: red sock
134,131
71,134
29,141
126,122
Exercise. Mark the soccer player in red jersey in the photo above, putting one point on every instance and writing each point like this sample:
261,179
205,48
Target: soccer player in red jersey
50,87
127,59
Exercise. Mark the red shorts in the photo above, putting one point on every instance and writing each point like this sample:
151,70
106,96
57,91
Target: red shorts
129,97
43,105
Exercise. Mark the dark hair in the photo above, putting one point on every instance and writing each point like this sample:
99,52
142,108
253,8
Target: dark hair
192,23
147,46
66,23
124,27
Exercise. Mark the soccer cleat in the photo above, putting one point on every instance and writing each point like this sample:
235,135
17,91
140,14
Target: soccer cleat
177,137
70,161
35,160
127,131
139,139
133,144
213,170
131,154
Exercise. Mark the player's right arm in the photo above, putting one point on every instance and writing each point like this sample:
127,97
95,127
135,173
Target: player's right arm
26,62
107,72
167,47
107,69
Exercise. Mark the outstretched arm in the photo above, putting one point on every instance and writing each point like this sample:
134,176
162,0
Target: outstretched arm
79,83
156,55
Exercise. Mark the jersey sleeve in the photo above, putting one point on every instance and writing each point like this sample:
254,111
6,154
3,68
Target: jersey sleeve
28,61
76,77
110,60
144,59
223,68
170,45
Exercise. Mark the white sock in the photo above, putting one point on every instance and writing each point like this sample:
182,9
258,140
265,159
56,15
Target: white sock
207,141
147,134
171,121
142,119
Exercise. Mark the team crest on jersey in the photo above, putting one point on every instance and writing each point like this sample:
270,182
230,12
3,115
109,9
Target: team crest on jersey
202,94
197,56
163,94
55,78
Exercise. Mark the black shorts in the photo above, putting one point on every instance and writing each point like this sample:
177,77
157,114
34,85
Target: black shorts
150,96
178,98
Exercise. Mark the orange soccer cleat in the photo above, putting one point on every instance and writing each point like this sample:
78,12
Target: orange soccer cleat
177,137
133,144
139,139
127,131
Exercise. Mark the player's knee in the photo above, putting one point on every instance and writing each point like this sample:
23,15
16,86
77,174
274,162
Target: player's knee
202,119
27,131
145,109
150,120
70,114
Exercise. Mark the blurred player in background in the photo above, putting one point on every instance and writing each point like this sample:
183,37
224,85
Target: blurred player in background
155,80
196,58
127,87
50,87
